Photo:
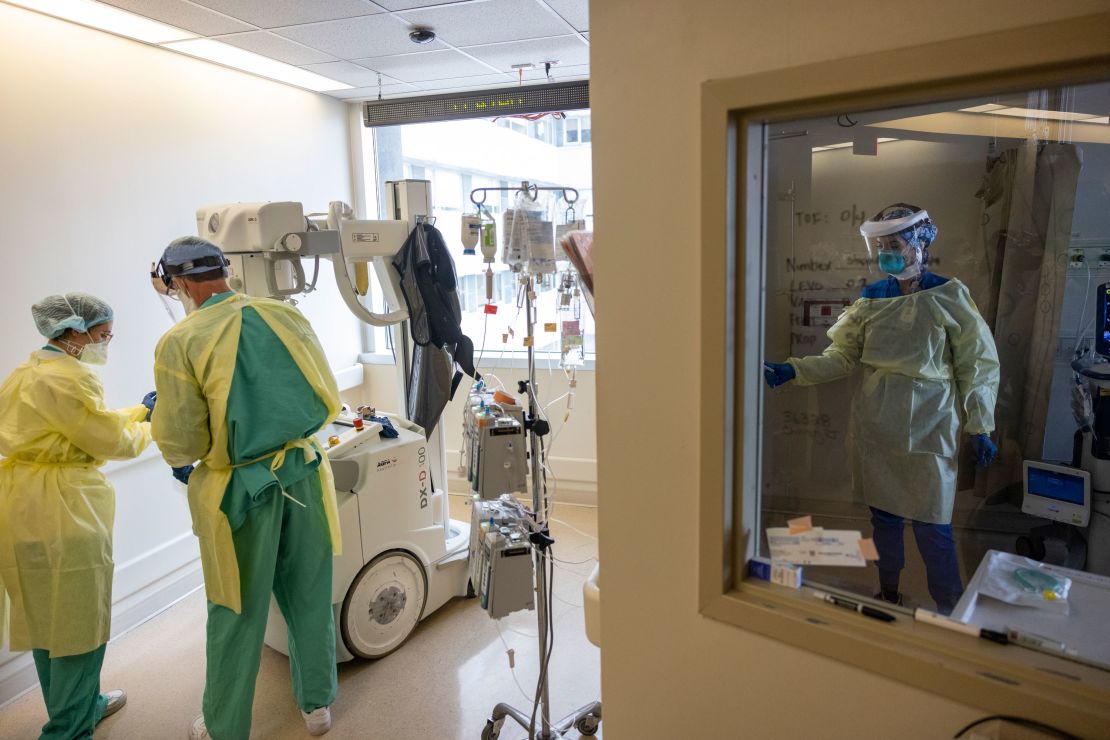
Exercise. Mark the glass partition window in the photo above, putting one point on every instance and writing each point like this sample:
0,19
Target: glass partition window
934,323
459,156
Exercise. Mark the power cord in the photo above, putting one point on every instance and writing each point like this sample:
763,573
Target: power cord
1030,723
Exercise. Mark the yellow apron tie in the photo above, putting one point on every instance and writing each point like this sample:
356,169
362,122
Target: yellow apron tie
308,445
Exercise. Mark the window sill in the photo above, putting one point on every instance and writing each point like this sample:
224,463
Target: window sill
1003,679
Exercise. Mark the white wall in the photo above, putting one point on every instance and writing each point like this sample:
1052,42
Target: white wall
107,147
666,671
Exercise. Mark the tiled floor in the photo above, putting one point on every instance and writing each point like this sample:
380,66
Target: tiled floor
441,684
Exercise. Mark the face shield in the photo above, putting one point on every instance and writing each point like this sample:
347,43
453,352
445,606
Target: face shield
894,245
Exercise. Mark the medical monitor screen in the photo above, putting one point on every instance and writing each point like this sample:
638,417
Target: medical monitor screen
1057,492
1058,486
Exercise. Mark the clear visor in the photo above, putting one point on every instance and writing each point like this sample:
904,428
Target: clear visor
891,243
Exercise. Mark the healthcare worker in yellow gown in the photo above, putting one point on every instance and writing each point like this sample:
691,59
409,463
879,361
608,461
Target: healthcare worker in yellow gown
57,509
928,360
243,385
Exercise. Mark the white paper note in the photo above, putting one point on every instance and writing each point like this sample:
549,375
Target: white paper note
816,546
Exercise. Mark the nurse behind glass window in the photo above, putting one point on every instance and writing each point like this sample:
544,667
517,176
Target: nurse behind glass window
57,508
928,358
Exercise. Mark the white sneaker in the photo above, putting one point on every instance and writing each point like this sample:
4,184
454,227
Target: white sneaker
318,721
116,700
199,731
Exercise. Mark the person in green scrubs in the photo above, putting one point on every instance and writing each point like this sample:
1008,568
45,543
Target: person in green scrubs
243,386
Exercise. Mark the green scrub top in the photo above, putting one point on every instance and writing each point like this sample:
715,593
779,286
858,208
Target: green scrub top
270,404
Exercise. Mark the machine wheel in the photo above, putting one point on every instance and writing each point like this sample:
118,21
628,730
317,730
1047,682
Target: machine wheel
491,731
587,725
383,605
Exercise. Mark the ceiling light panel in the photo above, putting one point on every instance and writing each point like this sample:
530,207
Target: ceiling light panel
1052,115
357,38
276,47
574,12
107,18
233,56
491,22
986,108
277,13
371,92
421,67
567,50
182,15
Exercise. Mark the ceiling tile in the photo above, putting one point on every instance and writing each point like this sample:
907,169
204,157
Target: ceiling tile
182,15
276,13
357,38
275,47
412,4
560,73
466,83
574,12
350,73
567,50
490,22
432,65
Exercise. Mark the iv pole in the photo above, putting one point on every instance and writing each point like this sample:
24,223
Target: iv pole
587,718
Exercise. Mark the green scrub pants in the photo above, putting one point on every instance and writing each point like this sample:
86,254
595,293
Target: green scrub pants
71,690
284,549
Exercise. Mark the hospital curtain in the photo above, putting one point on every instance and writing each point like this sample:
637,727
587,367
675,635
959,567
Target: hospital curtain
1028,198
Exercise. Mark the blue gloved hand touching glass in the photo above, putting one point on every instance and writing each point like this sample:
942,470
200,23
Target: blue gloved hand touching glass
148,401
985,450
777,373
183,473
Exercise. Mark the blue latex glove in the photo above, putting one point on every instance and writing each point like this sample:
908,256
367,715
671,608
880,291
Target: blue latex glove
182,474
388,430
148,401
777,373
985,450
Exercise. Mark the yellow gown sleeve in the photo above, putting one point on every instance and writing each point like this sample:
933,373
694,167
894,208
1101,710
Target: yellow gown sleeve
840,358
75,407
974,364
180,420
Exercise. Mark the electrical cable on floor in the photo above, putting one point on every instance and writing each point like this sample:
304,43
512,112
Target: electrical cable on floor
576,562
569,603
1030,723
575,529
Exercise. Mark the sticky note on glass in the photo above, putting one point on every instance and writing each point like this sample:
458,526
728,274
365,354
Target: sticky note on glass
800,524
550,327
867,549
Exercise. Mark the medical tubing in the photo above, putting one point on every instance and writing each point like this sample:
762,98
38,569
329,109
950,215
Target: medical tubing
512,669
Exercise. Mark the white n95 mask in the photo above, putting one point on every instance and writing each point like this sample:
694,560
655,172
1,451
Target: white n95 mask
94,353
